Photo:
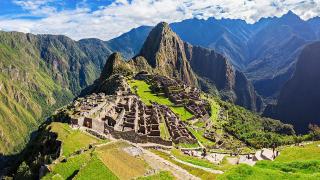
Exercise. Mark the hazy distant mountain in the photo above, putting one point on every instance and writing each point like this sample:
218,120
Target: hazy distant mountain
299,100
130,43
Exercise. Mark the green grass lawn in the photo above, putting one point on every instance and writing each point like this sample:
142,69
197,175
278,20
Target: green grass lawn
122,164
194,171
186,145
293,163
215,107
199,135
297,153
144,92
72,140
162,175
95,169
67,169
200,162
164,133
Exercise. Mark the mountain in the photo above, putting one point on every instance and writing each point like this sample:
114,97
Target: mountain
265,51
226,36
130,43
275,49
166,54
299,100
39,73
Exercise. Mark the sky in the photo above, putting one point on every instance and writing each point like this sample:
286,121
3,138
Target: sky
106,19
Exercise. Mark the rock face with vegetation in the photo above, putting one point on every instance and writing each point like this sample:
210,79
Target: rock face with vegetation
39,73
165,52
168,55
299,99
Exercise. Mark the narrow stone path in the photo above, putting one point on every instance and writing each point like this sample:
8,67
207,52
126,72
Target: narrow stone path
199,167
159,163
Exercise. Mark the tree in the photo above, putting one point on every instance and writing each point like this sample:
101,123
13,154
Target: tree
23,172
314,132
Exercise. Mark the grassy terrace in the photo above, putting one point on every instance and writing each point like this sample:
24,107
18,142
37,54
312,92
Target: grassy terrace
293,163
164,132
199,135
162,175
200,162
214,107
72,140
144,92
108,161
121,163
194,171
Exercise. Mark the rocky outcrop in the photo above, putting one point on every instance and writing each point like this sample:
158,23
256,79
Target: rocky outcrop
299,100
164,51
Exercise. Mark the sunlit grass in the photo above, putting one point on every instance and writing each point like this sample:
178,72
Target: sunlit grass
162,175
192,170
121,163
145,94
72,140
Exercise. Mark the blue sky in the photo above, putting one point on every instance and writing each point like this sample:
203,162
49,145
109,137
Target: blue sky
106,19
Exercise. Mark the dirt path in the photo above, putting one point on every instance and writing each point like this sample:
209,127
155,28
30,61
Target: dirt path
159,163
199,167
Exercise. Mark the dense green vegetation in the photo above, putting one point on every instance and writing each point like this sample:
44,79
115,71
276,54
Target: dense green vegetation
95,169
253,129
38,75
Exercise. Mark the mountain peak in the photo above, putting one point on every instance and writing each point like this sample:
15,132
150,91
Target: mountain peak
159,41
109,67
291,15
162,25
164,51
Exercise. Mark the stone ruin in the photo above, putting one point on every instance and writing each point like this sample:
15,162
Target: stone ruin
127,117
178,131
182,94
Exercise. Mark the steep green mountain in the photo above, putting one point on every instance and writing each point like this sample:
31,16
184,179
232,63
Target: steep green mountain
166,54
299,99
39,73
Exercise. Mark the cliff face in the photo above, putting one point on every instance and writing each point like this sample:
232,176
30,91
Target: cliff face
164,51
232,84
299,100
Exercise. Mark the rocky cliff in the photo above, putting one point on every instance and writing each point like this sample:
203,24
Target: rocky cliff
299,100
232,84
165,52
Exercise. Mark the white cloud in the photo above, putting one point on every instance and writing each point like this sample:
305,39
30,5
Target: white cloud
122,15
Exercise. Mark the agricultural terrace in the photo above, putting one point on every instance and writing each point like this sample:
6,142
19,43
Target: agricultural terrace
108,160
